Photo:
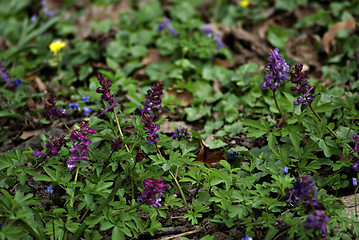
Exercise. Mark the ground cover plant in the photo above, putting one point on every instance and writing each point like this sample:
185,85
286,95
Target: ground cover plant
182,118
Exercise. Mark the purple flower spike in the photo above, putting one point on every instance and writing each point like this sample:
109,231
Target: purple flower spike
180,131
153,98
52,110
106,93
52,147
305,98
167,23
277,71
153,191
318,220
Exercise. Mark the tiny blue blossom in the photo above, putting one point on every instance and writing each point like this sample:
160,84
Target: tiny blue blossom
86,111
74,106
86,99
33,18
247,238
167,23
49,190
355,182
285,170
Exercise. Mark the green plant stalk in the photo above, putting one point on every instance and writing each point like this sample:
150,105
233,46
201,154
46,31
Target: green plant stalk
175,179
98,211
280,111
73,194
62,121
116,212
119,129
320,119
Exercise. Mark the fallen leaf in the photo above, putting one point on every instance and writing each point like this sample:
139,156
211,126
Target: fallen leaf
184,96
153,56
329,37
27,134
167,127
38,84
208,156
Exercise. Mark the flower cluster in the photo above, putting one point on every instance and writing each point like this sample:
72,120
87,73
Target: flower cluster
106,93
305,190
153,100
180,131
4,74
318,220
80,146
167,23
116,144
298,77
233,154
52,148
74,106
52,110
277,71
207,30
140,155
153,192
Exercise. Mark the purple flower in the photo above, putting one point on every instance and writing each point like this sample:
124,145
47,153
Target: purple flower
48,12
80,145
74,106
86,111
166,23
355,166
153,99
52,147
233,154
4,74
52,110
43,2
303,189
277,71
208,31
180,131
305,98
318,220
106,93
153,191
49,190
33,18
285,170
356,144
355,182
86,99
17,82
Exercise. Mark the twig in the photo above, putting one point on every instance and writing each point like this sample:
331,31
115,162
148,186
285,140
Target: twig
182,234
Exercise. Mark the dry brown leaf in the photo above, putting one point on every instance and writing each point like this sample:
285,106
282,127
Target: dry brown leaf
208,156
27,134
38,84
167,127
329,37
31,104
153,56
184,96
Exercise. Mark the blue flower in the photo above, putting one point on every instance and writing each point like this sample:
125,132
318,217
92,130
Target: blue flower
33,18
86,111
233,154
247,238
74,106
355,182
166,23
285,170
86,99
49,190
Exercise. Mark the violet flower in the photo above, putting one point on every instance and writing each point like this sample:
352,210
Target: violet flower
4,74
86,99
356,144
233,154
52,147
318,220
80,146
305,98
52,110
247,238
277,71
153,192
167,23
303,189
86,111
355,182
208,31
106,93
285,170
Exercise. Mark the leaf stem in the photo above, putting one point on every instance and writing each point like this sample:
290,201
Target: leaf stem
320,119
280,111
119,129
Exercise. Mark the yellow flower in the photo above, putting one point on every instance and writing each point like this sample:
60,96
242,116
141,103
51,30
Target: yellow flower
56,46
244,3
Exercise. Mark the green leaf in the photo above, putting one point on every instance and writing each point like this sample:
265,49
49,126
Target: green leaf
42,177
11,115
117,234
255,124
277,36
217,143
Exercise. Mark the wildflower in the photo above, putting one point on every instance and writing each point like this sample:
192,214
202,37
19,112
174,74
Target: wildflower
33,18
4,74
285,170
140,155
48,12
166,23
244,3
116,144
277,71
233,154
52,147
86,99
86,111
56,46
355,182
106,93
207,30
303,189
49,190
356,143
318,220
17,82
153,191
74,106
247,238
1,224
43,2
180,131
80,146
355,166
52,110
153,98
305,98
